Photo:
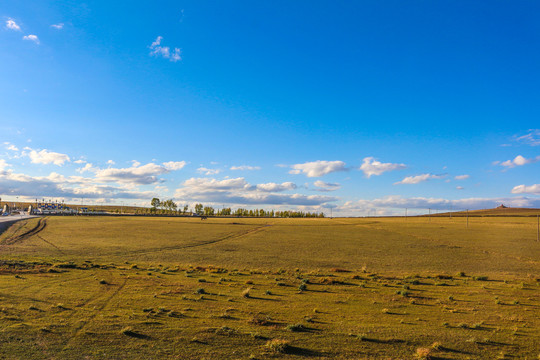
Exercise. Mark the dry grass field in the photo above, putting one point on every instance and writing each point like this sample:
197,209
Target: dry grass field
182,288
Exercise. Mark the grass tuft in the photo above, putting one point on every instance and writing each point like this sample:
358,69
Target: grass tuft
403,293
423,353
246,294
278,346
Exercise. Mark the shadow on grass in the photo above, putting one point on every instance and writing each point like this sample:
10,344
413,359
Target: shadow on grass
295,350
303,328
382,341
198,341
421,304
225,317
450,350
494,343
395,313
266,322
136,335
261,298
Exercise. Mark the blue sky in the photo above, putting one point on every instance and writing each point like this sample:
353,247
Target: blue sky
360,106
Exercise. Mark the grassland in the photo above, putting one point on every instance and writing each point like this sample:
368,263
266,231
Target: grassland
182,288
499,211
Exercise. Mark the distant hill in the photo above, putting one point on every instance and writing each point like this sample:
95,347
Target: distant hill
498,211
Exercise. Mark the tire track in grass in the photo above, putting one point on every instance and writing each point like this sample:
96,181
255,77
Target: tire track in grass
48,283
180,247
42,223
97,310
15,227
18,297
50,243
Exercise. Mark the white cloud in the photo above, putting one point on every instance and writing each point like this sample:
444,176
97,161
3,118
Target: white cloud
164,51
11,147
370,167
395,204
80,161
56,185
419,178
174,165
518,161
33,38
110,162
318,168
462,177
87,167
3,165
245,167
175,55
274,187
205,185
459,188
58,26
523,189
206,171
136,174
325,186
47,157
12,25
531,138
239,191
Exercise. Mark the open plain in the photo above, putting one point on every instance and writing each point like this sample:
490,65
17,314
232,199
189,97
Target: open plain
263,288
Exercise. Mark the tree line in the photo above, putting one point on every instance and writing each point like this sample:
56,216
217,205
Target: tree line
169,207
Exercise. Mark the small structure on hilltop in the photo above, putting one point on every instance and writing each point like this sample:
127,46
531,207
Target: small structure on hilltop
501,206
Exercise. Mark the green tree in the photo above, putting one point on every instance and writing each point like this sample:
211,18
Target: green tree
169,205
155,203
199,209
